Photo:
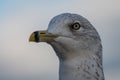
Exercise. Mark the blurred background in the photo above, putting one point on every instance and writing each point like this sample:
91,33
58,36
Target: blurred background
22,60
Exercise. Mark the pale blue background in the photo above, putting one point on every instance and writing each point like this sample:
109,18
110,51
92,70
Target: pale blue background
21,60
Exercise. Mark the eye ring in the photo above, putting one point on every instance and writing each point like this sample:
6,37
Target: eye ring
76,26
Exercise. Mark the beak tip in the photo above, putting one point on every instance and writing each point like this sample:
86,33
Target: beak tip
32,39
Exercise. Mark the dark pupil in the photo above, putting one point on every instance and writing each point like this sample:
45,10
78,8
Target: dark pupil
76,26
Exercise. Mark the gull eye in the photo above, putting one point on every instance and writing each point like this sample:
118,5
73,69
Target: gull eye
75,26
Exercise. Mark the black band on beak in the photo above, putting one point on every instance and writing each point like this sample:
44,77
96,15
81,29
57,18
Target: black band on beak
36,36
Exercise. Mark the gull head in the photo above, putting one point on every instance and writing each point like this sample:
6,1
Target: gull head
69,33
77,45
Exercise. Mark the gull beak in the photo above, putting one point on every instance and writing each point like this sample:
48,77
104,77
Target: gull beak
42,36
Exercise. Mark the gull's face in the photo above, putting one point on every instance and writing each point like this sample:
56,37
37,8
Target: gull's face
68,31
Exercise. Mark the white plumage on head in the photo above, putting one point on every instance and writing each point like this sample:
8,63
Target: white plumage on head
78,47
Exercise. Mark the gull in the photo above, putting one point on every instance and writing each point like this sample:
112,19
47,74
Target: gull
76,43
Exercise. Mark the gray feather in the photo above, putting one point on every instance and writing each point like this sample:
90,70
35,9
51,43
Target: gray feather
80,51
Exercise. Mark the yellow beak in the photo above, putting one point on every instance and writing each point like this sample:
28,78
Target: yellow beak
42,36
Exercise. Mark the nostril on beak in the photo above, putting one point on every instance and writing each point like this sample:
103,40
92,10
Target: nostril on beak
42,33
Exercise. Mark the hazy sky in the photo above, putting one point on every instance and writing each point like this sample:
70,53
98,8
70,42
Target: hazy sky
22,60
